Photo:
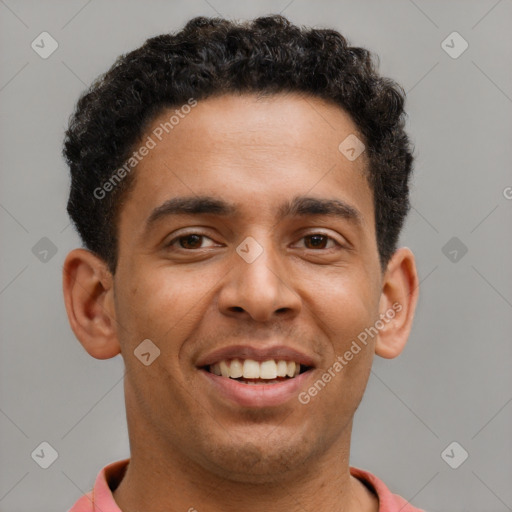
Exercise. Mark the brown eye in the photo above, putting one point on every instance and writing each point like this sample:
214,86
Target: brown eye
317,241
190,241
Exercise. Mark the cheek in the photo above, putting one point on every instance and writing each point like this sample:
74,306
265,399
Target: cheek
352,310
348,310
347,306
161,305
341,382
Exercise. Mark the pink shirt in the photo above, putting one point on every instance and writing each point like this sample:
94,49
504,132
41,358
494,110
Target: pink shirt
100,499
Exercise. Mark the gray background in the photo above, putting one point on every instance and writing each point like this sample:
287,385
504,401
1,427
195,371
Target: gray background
453,381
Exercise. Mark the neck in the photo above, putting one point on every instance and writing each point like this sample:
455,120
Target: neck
174,482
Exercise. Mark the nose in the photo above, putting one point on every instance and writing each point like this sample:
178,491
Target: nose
261,289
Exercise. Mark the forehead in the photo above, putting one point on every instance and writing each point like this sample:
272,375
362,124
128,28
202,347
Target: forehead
255,152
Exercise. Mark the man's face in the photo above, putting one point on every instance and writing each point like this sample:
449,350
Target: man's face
313,287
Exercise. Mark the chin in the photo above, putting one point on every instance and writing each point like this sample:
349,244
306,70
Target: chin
259,460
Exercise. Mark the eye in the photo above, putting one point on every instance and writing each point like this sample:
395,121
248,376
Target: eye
188,241
319,241
194,241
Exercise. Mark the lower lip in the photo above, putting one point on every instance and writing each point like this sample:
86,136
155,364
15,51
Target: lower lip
257,395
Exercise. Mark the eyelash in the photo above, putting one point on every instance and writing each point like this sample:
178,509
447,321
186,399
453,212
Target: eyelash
176,239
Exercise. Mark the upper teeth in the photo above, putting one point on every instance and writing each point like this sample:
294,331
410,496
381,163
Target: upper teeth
250,369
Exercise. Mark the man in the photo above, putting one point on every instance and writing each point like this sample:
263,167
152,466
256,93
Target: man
240,189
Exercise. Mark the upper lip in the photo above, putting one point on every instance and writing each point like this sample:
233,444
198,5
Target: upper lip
257,353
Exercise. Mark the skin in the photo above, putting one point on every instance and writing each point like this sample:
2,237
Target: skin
190,447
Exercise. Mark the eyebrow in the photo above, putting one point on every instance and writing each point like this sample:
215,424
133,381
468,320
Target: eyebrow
298,206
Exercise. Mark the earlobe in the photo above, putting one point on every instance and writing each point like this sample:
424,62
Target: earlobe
89,298
398,303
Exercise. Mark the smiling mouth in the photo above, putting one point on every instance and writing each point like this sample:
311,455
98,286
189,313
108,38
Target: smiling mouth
249,371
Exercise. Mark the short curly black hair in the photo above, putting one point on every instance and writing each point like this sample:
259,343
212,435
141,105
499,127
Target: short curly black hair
213,56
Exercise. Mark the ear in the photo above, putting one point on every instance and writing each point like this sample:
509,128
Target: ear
397,303
88,288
